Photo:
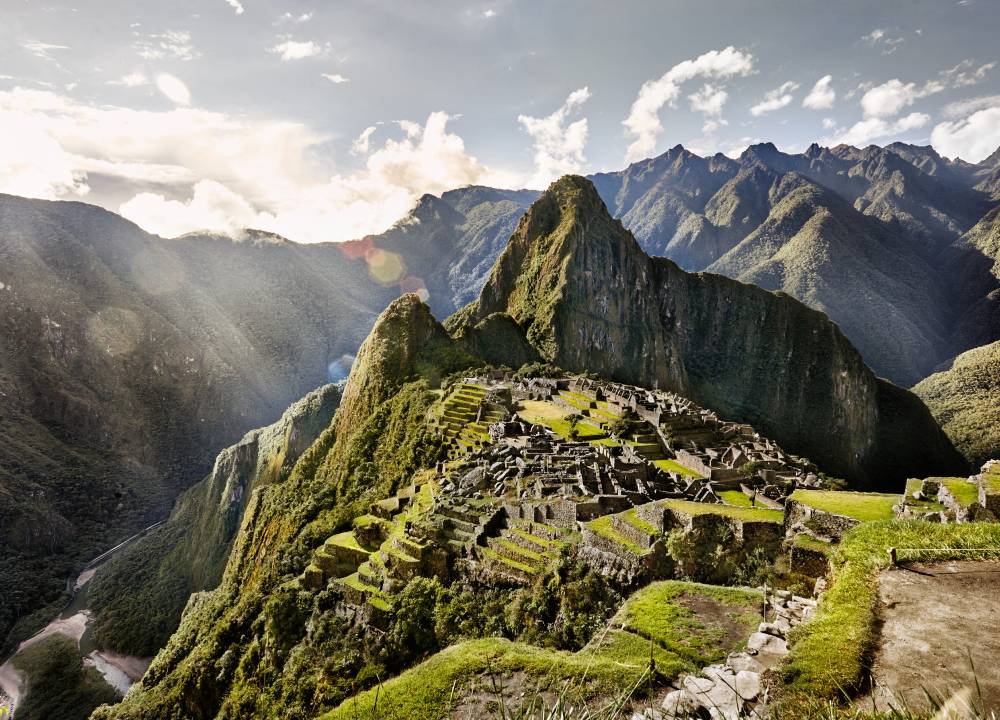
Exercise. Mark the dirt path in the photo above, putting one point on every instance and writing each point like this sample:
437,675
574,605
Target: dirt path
934,618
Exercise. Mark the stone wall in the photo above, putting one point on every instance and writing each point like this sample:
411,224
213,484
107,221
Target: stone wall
817,522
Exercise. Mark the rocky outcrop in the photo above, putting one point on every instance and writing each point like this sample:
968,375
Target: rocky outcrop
589,299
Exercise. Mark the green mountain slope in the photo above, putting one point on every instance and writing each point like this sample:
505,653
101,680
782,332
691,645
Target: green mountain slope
127,361
965,400
236,639
138,596
818,248
588,298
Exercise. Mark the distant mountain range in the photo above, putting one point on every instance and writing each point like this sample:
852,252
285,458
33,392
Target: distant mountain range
873,237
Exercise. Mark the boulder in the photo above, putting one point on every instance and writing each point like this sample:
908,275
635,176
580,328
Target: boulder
764,643
747,684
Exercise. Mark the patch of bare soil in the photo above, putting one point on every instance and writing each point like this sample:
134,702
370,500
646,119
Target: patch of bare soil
481,698
934,619
724,620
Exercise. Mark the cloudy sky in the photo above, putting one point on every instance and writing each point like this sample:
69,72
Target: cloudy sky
326,119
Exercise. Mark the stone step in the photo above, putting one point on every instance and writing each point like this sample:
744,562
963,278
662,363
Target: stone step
459,513
527,540
371,574
512,551
630,526
542,530
505,565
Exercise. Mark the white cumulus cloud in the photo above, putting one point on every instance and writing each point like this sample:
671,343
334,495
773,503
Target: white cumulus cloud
643,122
822,95
891,97
196,169
297,50
173,88
236,5
559,144
972,138
362,143
865,131
775,99
133,79
336,78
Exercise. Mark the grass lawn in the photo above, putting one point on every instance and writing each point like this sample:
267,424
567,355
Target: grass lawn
964,492
828,654
912,485
539,412
748,514
347,540
659,620
668,465
866,507
735,497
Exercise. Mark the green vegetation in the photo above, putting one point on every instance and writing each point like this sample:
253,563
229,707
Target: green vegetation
672,465
68,691
963,400
964,492
992,479
930,505
810,543
745,514
603,526
828,654
663,612
866,507
737,498
555,419
682,626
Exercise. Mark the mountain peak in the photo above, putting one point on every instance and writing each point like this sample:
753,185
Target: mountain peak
406,341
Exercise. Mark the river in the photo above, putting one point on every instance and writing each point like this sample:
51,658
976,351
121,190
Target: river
120,671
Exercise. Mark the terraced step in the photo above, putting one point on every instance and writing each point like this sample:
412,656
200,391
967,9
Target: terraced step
407,546
629,525
603,534
505,565
462,514
539,529
528,541
512,551
359,592
370,574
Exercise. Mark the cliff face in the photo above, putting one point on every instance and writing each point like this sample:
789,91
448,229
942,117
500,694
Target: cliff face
138,596
590,299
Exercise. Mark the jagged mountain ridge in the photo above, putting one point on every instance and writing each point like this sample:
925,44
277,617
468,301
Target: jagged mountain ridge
905,205
587,298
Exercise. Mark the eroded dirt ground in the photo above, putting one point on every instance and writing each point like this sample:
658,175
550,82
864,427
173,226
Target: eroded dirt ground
935,618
